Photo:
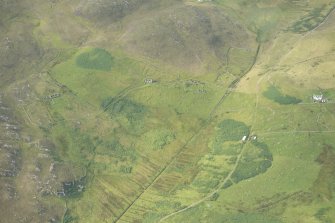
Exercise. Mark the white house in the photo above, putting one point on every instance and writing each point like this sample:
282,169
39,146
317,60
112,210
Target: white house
319,98
148,81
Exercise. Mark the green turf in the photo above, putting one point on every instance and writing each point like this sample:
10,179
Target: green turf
96,59
311,21
276,95
124,107
255,160
231,130
125,149
68,218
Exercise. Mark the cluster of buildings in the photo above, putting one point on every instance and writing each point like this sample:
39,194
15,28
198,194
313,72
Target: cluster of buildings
251,137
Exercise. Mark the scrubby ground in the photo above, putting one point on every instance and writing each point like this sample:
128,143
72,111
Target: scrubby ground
167,111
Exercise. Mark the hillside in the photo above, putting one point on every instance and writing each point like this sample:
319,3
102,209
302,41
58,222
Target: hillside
167,111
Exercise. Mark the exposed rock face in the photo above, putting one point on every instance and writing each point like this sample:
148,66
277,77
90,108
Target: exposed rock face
10,155
9,149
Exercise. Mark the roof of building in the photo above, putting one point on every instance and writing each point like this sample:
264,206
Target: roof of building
317,97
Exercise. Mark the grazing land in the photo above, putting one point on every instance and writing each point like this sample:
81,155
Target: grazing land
167,111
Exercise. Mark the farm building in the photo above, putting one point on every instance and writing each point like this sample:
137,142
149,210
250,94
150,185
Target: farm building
148,81
319,98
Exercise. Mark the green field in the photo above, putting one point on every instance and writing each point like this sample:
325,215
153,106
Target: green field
167,111
96,59
275,95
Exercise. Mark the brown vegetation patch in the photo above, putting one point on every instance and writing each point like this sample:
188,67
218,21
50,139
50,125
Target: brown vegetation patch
323,186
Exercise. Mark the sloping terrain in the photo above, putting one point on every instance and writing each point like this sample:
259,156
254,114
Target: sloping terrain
187,36
167,111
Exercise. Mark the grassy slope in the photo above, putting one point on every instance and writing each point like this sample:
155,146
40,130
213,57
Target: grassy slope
279,127
156,148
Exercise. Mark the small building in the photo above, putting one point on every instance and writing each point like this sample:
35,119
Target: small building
244,138
318,98
148,81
